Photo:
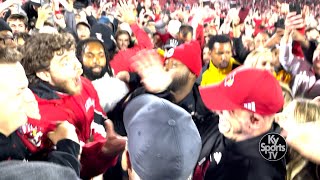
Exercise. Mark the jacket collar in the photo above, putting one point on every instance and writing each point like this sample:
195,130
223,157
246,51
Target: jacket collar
225,70
44,90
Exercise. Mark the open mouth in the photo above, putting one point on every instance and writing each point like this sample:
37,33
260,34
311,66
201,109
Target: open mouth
96,69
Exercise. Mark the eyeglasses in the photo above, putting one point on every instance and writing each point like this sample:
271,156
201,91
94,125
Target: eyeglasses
7,39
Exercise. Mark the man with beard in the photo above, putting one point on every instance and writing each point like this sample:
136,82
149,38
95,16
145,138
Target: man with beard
245,117
54,74
95,59
221,62
175,80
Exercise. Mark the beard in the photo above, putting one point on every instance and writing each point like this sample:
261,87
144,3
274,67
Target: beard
88,73
179,82
71,86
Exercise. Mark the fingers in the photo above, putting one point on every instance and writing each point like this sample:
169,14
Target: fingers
294,21
111,133
145,60
109,127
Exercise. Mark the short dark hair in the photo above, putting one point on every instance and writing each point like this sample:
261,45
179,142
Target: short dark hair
218,39
22,18
40,49
9,55
185,29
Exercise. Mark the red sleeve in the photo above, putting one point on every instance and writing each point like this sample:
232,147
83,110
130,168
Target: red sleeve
93,161
296,47
164,37
143,39
200,35
121,61
157,18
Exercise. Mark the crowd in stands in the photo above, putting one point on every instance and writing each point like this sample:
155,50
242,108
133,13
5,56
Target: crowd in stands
158,90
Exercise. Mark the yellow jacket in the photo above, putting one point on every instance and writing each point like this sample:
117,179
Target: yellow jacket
214,75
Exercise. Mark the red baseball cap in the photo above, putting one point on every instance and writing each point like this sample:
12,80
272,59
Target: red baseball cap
250,89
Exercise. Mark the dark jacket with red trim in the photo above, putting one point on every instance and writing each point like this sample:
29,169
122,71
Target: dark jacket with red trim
25,142
237,156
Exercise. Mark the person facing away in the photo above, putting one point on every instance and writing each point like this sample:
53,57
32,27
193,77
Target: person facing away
162,147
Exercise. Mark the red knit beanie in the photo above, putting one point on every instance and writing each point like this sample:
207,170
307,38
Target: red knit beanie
189,54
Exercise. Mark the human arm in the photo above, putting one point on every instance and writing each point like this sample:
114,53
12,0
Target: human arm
5,5
99,155
126,14
67,146
302,137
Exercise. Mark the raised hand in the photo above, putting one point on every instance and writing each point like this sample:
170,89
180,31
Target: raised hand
294,21
149,65
126,12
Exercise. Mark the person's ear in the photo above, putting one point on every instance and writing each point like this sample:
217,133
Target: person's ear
125,160
44,75
257,121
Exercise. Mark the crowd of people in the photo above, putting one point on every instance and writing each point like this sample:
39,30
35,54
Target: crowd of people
152,90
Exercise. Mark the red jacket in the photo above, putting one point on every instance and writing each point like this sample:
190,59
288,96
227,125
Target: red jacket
121,61
200,35
80,110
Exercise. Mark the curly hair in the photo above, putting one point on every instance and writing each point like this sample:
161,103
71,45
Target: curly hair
40,49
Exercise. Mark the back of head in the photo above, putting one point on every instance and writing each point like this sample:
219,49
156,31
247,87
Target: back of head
306,111
9,56
104,34
163,141
185,31
287,93
35,170
257,55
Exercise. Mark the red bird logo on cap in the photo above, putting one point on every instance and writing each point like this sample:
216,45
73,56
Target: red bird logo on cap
228,81
169,53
